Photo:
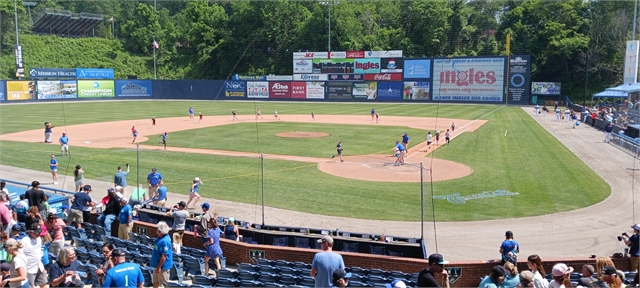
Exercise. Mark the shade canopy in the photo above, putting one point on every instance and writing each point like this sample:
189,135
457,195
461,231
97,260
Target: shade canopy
628,88
611,94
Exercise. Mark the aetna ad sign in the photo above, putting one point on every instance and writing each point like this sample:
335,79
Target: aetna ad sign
383,77
468,79
280,90
367,66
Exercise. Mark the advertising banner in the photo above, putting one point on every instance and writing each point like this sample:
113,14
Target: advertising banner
630,75
383,77
54,73
2,87
298,90
133,88
339,90
391,65
279,77
416,91
365,90
310,55
355,54
17,52
468,79
96,88
346,77
334,54
280,90
59,89
235,89
383,54
302,66
389,90
20,90
310,77
92,73
315,90
367,66
258,89
417,69
518,89
545,88
248,77
337,65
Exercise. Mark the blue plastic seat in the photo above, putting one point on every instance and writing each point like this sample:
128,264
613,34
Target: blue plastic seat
377,250
350,247
280,241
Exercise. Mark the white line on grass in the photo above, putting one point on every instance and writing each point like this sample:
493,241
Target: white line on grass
505,132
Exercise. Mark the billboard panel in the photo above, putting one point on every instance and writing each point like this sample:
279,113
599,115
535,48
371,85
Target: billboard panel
96,88
339,90
302,66
310,55
468,79
133,88
298,90
355,54
17,51
383,77
94,73
2,87
346,77
53,73
235,89
335,54
391,65
630,75
367,66
310,77
338,65
20,90
417,69
365,90
416,90
59,89
545,88
315,90
383,54
518,89
389,90
257,89
280,90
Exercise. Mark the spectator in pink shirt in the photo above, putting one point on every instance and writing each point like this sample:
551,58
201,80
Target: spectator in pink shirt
5,213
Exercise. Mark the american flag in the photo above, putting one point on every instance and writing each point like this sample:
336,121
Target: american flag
155,44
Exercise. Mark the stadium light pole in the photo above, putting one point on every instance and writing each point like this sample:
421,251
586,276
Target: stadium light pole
15,14
329,3
635,13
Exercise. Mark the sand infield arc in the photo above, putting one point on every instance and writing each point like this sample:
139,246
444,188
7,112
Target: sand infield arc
378,168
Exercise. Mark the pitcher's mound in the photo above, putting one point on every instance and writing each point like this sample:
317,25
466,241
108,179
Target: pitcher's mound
298,134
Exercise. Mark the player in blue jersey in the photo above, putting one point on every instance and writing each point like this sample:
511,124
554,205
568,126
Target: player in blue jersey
193,193
53,164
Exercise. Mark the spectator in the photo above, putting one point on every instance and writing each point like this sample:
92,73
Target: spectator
45,203
231,231
561,276
32,249
427,278
125,218
78,177
495,279
610,276
634,246
3,188
180,216
21,208
161,256
64,213
62,272
154,180
161,197
395,283
111,211
509,249
55,225
33,216
5,213
535,264
18,271
46,242
137,196
340,278
4,270
526,279
213,247
601,262
587,279
607,131
16,232
176,243
107,249
206,217
35,197
4,236
79,204
512,278
124,274
325,262
120,179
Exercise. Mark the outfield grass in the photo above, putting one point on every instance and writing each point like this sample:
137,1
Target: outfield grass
524,161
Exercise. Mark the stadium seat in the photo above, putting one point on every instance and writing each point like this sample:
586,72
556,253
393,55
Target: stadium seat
248,275
224,273
269,269
248,267
301,242
206,281
396,254
288,280
225,282
248,240
307,281
280,241
146,273
283,263
301,265
177,272
134,237
290,271
399,275
197,253
379,273
266,262
358,271
267,278
350,247
194,267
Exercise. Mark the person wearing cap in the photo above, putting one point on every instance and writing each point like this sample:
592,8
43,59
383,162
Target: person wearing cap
427,277
61,273
55,224
206,217
561,276
18,271
509,249
110,212
137,196
125,218
81,204
495,279
4,271
526,279
193,193
180,216
587,278
32,249
340,278
338,150
154,181
610,276
123,274
633,242
120,179
64,144
161,256
35,197
16,232
325,262
48,132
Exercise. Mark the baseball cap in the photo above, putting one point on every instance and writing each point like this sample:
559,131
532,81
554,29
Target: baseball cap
396,284
437,258
340,274
110,190
5,267
182,204
117,253
205,205
64,207
43,230
16,227
636,227
86,188
154,169
124,199
498,271
53,211
326,238
196,179
527,275
607,270
561,269
35,227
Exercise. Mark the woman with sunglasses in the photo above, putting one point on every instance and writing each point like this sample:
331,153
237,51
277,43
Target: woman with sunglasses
18,271
107,248
62,272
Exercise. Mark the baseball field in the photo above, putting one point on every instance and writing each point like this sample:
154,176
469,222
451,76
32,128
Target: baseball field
500,164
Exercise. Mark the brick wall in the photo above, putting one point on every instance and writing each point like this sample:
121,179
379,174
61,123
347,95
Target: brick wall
238,252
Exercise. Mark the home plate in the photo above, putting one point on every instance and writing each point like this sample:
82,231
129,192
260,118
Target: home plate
86,142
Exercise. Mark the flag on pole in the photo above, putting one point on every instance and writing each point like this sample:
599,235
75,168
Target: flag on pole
155,44
111,19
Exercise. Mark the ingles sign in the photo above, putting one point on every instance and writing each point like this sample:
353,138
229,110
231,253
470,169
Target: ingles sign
469,79
367,66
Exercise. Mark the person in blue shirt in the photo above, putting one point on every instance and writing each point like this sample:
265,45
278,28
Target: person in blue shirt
161,196
325,262
402,150
120,178
123,274
53,164
64,144
405,140
633,242
162,255
63,271
193,193
125,218
154,180
16,232
509,249
164,139
191,114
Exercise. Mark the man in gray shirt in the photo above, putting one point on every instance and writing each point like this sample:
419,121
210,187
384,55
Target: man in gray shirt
120,179
180,216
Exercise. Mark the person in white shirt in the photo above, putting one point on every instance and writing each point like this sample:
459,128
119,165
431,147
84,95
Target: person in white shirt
32,249
18,271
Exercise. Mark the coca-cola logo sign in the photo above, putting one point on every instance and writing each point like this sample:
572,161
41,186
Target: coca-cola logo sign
383,77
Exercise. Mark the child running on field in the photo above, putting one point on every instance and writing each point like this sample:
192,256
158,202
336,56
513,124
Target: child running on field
134,132
396,153
153,122
200,115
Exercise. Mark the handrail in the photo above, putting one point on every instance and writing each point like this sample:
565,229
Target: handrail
28,185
